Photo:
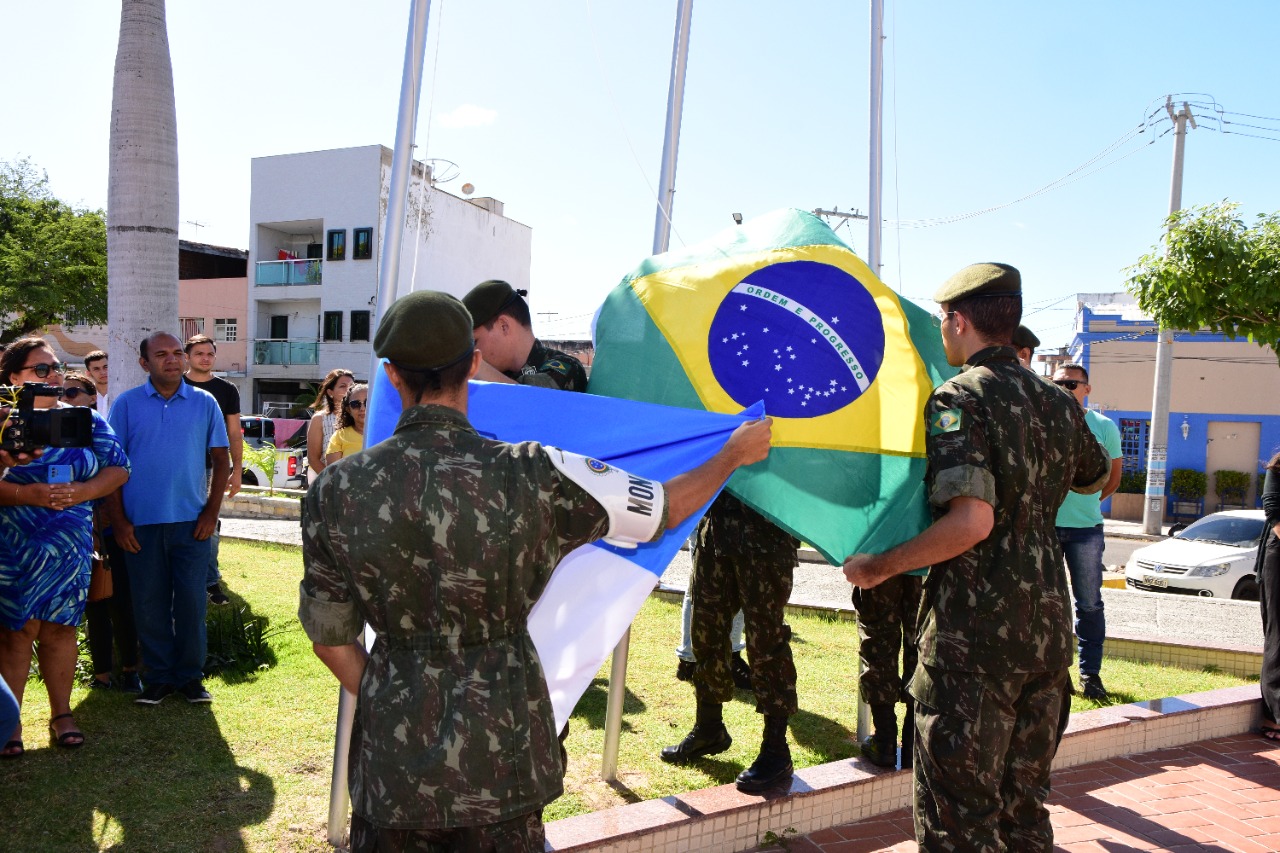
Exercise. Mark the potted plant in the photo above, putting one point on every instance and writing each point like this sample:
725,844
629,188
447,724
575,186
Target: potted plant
1126,503
1187,487
1231,487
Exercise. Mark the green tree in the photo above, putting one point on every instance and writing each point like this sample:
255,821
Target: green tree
53,257
1214,272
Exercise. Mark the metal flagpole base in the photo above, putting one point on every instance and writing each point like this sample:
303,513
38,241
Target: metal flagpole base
613,711
339,798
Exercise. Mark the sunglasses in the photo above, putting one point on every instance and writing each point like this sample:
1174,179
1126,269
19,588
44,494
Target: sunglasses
73,393
943,315
42,370
1069,384
355,405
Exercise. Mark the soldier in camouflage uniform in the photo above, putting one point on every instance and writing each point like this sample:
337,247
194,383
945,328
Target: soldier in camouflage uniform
504,334
991,688
741,561
887,616
442,540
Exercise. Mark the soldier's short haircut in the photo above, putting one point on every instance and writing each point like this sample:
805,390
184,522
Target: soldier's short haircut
420,383
994,318
517,309
1073,366
96,355
195,341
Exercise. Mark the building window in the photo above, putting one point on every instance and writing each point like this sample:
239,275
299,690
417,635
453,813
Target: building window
333,325
359,325
1134,443
337,246
362,244
191,326
225,329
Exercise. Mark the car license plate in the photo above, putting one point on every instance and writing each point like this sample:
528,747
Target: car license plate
1160,583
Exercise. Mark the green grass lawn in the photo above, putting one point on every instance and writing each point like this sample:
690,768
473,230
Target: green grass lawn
251,771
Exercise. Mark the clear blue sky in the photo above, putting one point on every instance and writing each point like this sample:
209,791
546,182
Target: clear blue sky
557,109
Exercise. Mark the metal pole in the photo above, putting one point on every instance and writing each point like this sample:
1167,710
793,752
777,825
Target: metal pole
661,239
1157,453
415,49
671,138
874,218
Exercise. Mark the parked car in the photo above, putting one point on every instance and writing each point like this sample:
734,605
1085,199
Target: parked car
1212,557
291,462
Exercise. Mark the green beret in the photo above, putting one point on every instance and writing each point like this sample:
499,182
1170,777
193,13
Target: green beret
425,330
1024,337
487,299
978,280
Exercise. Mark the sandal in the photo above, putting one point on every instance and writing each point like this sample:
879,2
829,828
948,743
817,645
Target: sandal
13,749
1269,732
66,740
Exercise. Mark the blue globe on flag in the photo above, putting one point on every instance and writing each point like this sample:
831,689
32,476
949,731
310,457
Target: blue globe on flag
805,337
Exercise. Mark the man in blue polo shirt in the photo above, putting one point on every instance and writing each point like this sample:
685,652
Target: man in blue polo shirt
164,516
1079,525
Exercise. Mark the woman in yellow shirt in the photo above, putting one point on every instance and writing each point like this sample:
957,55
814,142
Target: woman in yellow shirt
349,437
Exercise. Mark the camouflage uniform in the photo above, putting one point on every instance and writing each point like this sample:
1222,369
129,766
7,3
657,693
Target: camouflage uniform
551,368
742,561
887,616
442,541
991,686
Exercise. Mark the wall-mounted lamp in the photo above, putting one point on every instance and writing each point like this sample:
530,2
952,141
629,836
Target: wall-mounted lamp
1186,428
737,218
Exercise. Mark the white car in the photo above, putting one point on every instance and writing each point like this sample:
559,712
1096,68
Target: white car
1213,557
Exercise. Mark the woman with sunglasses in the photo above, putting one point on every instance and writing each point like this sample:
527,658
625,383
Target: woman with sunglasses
350,435
324,423
46,538
79,390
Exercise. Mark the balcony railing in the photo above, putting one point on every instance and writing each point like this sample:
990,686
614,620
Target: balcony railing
282,273
285,352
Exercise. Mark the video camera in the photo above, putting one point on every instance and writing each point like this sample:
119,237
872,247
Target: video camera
24,428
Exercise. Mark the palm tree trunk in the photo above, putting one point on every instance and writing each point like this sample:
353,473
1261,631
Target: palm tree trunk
142,192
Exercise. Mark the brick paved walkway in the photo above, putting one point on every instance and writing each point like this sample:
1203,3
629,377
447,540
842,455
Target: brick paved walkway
1219,795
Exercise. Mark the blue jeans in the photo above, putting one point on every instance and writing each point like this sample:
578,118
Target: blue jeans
213,576
1082,546
685,650
169,601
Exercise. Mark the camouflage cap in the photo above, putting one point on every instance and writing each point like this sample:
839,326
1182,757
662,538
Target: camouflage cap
487,299
978,280
425,330
1024,338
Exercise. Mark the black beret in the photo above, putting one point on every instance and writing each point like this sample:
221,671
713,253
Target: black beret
1024,337
487,299
980,280
425,330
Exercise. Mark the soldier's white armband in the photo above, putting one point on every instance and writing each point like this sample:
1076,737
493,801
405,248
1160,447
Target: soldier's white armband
634,504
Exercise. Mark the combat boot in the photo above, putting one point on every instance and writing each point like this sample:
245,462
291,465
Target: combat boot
881,748
773,765
708,736
741,671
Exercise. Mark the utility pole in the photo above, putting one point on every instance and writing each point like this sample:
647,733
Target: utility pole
1158,435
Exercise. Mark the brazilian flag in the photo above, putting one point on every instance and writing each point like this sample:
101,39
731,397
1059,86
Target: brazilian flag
780,310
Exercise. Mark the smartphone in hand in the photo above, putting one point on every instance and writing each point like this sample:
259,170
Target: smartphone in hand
59,473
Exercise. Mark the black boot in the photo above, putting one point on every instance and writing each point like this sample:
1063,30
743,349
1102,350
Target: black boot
773,765
881,748
741,672
708,736
909,736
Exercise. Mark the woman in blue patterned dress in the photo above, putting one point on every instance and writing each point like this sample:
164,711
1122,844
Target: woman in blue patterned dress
46,539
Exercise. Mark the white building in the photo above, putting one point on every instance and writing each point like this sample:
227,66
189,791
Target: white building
317,225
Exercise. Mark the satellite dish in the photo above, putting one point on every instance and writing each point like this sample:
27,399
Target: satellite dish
468,189
442,170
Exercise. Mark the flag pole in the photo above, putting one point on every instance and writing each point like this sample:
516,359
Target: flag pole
388,278
661,241
874,217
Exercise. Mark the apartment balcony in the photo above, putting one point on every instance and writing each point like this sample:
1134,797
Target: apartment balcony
287,273
286,352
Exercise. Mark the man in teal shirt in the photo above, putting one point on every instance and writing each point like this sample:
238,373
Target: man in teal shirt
1079,525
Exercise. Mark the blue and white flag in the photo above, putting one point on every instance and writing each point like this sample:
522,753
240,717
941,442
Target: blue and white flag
597,589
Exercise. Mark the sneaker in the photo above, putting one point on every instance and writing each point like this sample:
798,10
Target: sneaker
193,691
154,694
684,670
741,672
99,684
217,596
1091,688
128,682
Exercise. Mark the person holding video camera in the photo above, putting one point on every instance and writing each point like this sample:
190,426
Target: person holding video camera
46,530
